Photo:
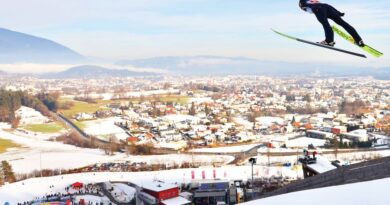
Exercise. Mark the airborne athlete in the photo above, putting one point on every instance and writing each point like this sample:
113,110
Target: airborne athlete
324,12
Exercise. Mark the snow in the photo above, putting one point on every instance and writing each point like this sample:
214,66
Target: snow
157,186
105,127
92,199
181,118
201,100
30,116
36,153
172,145
322,165
123,192
364,193
37,187
268,121
176,201
172,159
232,149
305,141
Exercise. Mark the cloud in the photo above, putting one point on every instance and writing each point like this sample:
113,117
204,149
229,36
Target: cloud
34,68
45,68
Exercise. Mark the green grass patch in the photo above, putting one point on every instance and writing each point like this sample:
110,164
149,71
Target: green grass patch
44,128
162,98
6,144
79,124
79,107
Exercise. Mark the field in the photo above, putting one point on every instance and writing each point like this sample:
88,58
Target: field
79,106
5,144
162,98
79,124
44,128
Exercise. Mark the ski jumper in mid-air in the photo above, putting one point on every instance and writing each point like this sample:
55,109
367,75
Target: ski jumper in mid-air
324,12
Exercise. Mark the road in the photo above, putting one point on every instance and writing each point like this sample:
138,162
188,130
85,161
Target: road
80,133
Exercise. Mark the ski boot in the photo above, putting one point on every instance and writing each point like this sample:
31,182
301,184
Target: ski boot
325,43
360,43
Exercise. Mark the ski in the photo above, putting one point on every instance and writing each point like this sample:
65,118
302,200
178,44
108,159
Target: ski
349,38
319,45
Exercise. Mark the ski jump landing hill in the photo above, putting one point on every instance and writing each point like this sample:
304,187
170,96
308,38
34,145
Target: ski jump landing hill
360,172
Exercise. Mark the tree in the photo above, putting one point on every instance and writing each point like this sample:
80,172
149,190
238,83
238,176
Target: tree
192,109
207,109
8,174
307,98
50,100
113,147
15,122
356,107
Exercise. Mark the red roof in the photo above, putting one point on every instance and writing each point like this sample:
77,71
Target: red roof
77,185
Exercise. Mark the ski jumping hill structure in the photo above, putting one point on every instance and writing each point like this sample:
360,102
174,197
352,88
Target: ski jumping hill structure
360,172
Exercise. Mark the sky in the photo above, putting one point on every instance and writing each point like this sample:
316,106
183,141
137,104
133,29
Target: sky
130,29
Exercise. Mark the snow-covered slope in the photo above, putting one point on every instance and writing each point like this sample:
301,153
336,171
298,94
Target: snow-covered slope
372,192
38,187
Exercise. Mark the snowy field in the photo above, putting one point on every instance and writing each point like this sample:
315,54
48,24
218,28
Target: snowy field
364,193
37,187
104,128
36,153
305,141
231,149
30,116
179,159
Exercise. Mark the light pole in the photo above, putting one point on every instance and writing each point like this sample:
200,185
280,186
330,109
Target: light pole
252,160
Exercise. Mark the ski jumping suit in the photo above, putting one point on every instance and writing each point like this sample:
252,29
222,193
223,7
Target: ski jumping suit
325,11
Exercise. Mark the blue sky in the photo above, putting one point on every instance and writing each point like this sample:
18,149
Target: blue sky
128,29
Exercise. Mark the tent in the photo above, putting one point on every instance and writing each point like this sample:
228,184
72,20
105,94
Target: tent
77,185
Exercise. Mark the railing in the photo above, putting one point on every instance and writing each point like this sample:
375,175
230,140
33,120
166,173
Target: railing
365,171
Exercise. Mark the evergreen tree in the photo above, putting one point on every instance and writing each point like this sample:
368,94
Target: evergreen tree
7,172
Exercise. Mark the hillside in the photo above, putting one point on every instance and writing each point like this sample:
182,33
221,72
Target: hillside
371,192
16,47
91,71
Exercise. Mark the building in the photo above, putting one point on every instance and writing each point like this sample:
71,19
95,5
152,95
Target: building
319,134
210,192
162,194
360,135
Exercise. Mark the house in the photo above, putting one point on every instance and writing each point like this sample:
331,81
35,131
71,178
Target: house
359,135
319,134
163,193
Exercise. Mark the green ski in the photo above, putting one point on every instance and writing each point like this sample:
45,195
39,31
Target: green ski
320,45
349,38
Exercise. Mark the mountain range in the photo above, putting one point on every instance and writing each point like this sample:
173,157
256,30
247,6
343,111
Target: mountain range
216,65
91,71
16,47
